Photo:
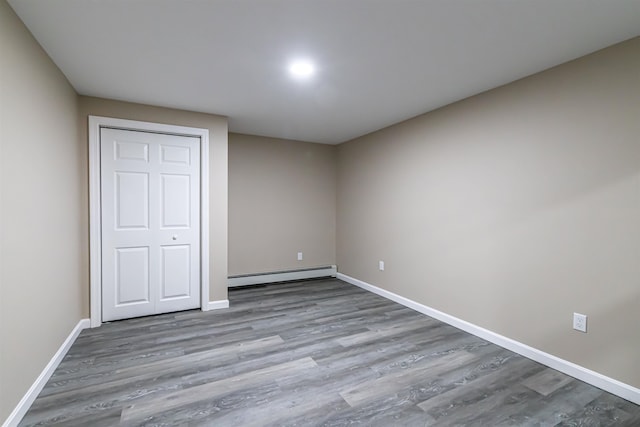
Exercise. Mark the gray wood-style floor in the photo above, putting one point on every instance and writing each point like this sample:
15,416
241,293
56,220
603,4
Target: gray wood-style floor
315,353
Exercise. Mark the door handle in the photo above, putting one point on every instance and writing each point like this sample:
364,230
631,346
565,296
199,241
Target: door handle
174,237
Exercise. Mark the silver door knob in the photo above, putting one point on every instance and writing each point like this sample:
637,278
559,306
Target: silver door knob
174,237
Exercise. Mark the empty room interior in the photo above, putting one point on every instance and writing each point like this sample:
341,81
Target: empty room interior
320,212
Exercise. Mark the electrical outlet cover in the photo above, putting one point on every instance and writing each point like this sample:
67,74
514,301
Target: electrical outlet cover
580,322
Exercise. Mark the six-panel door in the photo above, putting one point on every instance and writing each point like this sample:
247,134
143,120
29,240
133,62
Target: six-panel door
150,200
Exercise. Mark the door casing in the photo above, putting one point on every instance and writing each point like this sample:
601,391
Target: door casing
95,243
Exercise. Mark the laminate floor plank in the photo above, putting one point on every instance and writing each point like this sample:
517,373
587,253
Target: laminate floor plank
214,389
453,394
547,381
309,353
124,374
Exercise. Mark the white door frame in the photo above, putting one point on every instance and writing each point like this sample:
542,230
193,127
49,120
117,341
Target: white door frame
95,241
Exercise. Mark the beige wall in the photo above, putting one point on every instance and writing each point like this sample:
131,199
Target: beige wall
217,126
512,210
282,200
43,220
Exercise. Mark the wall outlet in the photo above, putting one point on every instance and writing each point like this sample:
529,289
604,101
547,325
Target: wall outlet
381,265
299,256
580,322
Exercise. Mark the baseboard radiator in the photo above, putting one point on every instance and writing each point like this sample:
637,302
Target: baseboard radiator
281,276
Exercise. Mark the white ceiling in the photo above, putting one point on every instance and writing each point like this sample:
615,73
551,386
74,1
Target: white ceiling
379,61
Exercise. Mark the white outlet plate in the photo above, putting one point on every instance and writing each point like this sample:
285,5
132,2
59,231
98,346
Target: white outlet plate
381,265
299,256
580,322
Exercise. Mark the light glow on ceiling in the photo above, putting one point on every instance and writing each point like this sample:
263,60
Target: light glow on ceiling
301,69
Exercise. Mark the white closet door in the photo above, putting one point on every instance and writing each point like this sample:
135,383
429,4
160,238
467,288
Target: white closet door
150,199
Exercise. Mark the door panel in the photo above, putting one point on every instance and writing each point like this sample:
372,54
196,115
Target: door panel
150,206
130,150
132,276
176,154
131,199
175,271
175,201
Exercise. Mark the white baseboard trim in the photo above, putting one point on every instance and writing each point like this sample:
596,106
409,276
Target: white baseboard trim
282,276
596,379
27,400
217,305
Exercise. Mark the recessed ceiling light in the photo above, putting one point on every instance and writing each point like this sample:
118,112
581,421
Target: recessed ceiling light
301,69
